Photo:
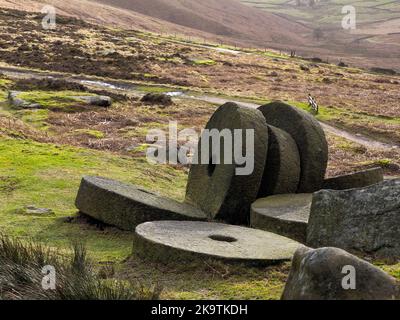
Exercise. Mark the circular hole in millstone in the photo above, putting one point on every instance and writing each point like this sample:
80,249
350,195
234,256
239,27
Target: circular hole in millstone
211,167
221,238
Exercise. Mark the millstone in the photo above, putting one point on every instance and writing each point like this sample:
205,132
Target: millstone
282,170
286,215
217,188
125,206
310,140
177,241
355,180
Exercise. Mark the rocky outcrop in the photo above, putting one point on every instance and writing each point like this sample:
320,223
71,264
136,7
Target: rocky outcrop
365,220
334,274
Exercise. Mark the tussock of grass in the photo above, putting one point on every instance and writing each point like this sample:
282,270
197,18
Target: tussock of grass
21,276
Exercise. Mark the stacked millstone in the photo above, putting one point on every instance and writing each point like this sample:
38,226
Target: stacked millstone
296,167
215,192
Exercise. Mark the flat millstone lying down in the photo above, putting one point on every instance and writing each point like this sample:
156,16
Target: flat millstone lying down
126,206
359,179
285,214
176,241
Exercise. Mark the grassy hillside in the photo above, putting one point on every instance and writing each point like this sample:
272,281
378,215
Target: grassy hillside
327,14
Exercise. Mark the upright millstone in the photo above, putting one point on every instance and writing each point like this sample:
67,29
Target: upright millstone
225,189
310,140
282,170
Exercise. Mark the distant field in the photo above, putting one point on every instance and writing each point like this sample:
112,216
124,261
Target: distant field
328,13
375,40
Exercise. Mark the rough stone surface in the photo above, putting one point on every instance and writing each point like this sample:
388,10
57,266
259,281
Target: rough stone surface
20,103
32,210
168,241
282,170
157,98
286,215
355,180
99,101
310,140
125,206
317,275
217,189
365,220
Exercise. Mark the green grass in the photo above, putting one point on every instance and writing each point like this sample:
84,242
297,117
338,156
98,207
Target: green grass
52,100
204,62
48,176
91,133
5,83
35,118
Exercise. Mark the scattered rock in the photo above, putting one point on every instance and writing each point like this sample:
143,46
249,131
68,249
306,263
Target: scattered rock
99,101
218,189
282,170
310,140
126,206
390,72
304,68
48,83
178,241
32,210
355,180
319,275
20,103
285,214
327,80
157,98
362,220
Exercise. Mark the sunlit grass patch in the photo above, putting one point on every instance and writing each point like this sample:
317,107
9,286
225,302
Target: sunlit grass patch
48,176
53,100
91,133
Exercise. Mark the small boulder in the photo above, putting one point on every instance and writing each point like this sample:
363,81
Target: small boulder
98,101
304,68
325,274
17,102
362,220
157,98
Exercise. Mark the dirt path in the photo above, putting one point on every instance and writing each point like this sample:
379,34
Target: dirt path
133,89
360,139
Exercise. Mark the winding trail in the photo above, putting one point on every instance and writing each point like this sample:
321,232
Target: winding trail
125,86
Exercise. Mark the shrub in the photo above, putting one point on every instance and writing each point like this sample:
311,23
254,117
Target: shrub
21,275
